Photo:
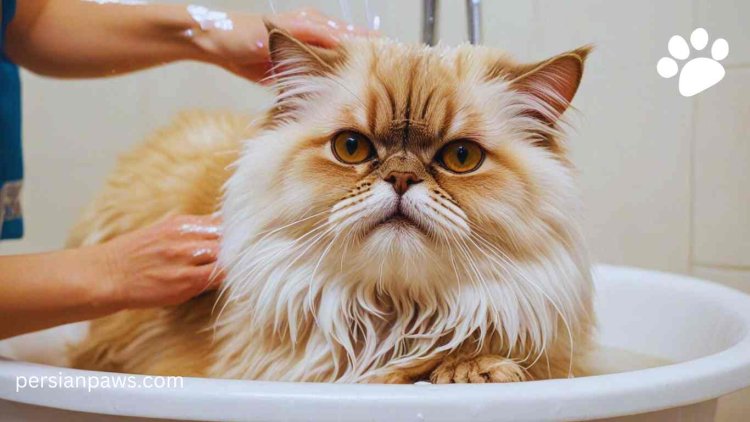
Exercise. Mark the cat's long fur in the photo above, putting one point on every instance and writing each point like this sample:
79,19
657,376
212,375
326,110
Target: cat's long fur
493,285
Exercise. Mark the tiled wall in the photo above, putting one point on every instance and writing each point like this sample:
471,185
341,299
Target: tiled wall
665,178
662,175
721,155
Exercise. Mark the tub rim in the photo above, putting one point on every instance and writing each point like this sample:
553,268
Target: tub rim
598,396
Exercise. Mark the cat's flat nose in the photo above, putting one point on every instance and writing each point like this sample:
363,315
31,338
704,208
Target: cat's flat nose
402,180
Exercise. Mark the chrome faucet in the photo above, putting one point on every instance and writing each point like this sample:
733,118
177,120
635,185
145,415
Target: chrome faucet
429,21
474,21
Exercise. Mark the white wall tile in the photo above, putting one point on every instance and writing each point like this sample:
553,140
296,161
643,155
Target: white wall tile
68,149
190,86
509,26
632,147
736,278
400,19
727,19
625,33
452,25
722,171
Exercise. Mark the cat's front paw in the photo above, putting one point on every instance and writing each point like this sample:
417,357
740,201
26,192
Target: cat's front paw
477,370
396,377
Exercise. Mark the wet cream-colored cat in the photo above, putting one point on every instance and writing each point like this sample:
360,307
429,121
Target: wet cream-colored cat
402,213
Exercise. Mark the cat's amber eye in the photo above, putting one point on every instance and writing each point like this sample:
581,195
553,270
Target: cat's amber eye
352,147
461,156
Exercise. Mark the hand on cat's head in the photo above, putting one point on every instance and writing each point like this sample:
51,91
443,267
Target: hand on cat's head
244,49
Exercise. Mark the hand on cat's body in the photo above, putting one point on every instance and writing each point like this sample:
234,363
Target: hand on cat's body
164,264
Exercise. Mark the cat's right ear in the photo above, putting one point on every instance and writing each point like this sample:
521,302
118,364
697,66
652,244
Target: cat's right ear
291,57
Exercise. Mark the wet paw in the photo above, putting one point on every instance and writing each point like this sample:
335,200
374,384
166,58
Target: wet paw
396,377
477,370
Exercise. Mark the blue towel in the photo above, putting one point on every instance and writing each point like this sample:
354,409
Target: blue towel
11,159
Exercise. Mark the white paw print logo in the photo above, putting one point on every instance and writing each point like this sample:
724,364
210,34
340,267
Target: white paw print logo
699,73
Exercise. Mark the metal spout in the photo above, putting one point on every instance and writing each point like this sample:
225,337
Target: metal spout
429,21
474,20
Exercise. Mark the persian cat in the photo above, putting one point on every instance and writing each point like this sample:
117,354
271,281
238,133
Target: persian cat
402,213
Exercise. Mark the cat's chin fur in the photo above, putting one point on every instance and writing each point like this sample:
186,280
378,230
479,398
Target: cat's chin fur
332,276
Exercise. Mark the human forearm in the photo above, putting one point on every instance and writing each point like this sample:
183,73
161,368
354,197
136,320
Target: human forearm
164,264
80,38
43,290
75,38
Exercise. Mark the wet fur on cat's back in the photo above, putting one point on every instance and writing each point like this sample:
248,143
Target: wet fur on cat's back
178,170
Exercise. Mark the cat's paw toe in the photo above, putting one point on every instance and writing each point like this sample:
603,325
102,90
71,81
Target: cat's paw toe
478,370
396,377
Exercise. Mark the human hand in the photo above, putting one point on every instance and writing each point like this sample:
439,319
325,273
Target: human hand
243,50
164,264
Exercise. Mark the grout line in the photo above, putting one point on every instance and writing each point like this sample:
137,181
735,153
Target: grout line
691,163
721,266
694,110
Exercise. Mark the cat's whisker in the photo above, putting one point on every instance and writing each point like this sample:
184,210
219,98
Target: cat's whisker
294,223
449,204
459,221
269,233
261,255
509,262
264,234
322,256
259,259
347,207
345,249
504,263
483,284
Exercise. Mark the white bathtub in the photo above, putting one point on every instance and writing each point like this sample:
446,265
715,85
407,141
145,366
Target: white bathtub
703,327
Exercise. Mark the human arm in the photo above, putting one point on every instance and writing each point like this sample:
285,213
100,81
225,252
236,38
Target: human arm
164,264
77,38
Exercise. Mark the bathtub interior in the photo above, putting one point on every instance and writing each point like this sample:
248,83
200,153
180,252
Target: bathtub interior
671,322
669,317
637,327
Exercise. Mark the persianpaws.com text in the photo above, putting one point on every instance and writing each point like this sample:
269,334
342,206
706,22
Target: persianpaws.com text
94,382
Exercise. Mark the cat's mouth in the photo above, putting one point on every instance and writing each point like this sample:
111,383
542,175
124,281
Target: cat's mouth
398,220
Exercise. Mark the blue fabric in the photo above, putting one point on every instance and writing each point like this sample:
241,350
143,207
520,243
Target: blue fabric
11,159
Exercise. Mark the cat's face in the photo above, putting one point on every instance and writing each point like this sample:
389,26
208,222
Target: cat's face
401,162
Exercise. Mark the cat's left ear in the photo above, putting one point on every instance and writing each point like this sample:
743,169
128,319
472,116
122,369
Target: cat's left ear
554,82
292,57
